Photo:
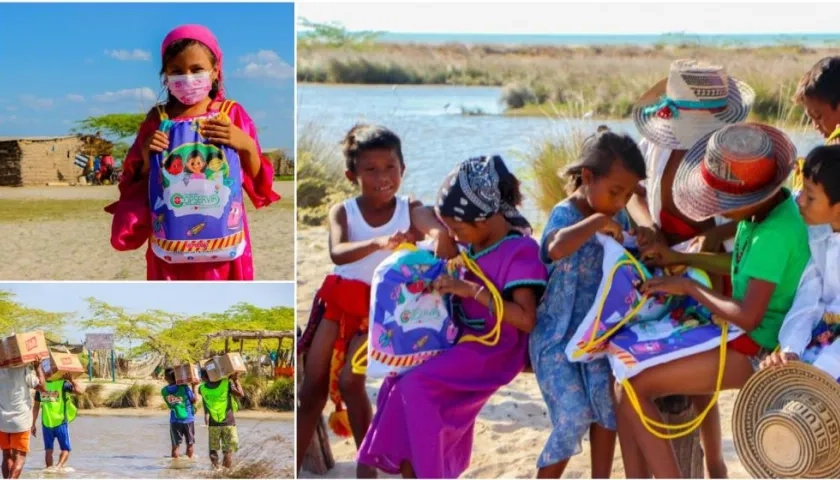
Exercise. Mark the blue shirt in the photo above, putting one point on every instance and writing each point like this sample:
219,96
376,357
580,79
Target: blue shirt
172,389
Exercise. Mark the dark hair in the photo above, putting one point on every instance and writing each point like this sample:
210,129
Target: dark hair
174,49
363,137
822,166
598,153
508,184
169,374
821,82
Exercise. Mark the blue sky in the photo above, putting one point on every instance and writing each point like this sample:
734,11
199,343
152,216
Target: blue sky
65,62
174,297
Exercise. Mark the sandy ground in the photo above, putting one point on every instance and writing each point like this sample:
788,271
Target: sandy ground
79,248
511,429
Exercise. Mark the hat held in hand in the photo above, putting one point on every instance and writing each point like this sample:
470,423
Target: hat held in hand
786,423
696,99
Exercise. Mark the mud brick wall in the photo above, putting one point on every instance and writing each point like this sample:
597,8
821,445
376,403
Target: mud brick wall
38,162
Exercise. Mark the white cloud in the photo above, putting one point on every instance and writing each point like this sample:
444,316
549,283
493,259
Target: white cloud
36,103
11,108
75,97
265,64
142,94
124,55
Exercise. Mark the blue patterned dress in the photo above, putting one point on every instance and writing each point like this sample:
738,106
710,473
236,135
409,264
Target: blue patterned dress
577,394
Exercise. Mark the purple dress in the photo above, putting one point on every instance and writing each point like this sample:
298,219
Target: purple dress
426,416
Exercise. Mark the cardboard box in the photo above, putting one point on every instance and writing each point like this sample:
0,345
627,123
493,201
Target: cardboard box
214,373
59,364
23,348
231,363
187,374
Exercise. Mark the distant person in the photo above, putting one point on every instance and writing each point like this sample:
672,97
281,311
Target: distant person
819,93
193,49
57,412
219,407
181,402
16,414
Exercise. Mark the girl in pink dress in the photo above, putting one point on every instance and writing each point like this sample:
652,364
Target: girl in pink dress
423,426
192,66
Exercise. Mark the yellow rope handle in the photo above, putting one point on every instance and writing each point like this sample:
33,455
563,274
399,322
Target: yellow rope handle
359,361
593,342
686,428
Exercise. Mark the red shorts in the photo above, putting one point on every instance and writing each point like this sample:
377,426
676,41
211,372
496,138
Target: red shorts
347,302
745,346
15,441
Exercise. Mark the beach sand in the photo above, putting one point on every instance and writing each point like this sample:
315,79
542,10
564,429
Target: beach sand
76,245
511,429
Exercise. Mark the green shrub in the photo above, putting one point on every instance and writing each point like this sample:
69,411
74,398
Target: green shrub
280,395
135,396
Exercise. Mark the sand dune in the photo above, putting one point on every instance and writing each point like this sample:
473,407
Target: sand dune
512,427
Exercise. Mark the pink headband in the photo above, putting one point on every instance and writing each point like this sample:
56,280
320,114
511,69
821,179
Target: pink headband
202,34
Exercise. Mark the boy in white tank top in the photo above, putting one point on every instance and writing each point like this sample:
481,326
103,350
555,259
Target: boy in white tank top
363,232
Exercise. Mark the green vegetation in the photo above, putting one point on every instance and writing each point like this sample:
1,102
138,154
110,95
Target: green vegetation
284,178
16,318
603,80
333,35
138,395
276,394
320,177
40,210
91,398
117,126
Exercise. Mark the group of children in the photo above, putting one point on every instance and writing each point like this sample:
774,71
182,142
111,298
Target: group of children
218,399
701,174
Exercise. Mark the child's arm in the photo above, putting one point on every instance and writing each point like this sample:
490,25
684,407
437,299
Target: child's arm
663,256
565,241
74,386
36,408
807,309
424,220
236,387
343,252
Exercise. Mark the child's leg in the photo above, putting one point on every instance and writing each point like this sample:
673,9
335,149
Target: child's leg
694,375
315,387
554,470
190,439
214,443
230,444
711,436
359,410
406,470
63,437
602,448
634,462
48,458
175,439
8,461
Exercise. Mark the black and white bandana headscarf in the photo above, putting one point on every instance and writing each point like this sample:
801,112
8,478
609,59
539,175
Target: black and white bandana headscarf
470,193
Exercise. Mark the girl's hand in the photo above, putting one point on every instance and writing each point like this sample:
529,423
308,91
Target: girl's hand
224,132
394,241
157,142
446,284
778,359
658,254
445,247
647,236
667,285
613,229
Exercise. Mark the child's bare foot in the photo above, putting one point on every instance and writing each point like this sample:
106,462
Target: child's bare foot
717,470
365,471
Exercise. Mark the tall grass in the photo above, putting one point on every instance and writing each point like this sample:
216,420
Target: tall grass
608,79
90,398
320,176
136,396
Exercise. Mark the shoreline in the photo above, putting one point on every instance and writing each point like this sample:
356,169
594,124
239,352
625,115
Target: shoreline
153,412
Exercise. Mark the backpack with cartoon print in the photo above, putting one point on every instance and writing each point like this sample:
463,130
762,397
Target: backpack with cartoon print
195,195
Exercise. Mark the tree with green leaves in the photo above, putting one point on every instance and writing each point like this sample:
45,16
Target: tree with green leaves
18,318
116,126
334,34
132,328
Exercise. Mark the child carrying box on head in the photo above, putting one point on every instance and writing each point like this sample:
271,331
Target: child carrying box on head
217,394
180,398
813,321
57,412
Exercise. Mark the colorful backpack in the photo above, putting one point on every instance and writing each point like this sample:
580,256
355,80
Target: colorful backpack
409,323
195,195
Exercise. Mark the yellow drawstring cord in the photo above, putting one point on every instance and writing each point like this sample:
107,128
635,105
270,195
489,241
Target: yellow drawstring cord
593,342
491,338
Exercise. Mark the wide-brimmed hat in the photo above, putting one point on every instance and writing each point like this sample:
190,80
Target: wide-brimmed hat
697,98
735,167
786,423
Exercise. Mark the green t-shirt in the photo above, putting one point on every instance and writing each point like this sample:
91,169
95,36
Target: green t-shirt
775,251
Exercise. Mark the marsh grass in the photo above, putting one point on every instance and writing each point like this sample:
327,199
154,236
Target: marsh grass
608,79
136,396
91,398
320,176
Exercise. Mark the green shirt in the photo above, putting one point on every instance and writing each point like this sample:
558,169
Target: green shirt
775,251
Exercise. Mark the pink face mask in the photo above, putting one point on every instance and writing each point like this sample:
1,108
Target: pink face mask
189,89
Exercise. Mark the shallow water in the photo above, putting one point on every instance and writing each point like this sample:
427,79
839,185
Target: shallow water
138,447
436,135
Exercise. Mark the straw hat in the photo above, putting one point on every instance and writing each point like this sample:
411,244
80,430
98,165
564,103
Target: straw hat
786,423
697,98
732,168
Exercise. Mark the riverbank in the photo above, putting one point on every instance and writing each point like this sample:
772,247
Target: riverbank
603,80
159,410
38,221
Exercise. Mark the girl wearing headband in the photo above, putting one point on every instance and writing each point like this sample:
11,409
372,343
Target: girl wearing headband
192,74
423,426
